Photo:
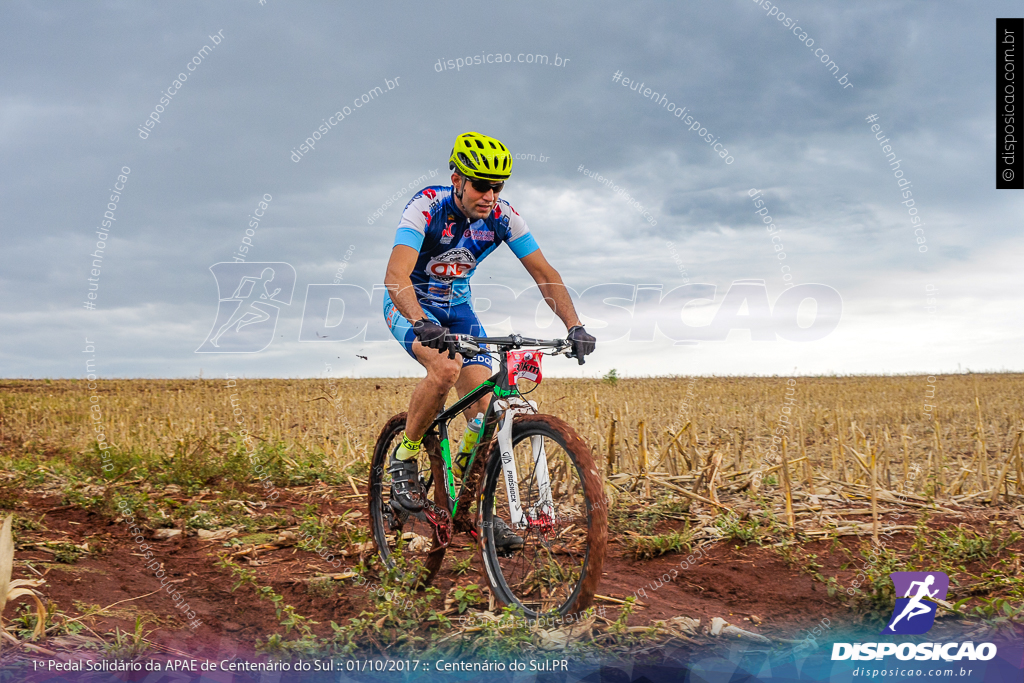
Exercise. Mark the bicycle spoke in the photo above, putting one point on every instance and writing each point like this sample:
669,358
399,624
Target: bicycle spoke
398,529
545,573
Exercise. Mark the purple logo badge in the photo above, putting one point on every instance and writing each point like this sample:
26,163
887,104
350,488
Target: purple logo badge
914,612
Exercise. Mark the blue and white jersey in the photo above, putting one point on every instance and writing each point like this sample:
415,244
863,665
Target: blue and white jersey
451,246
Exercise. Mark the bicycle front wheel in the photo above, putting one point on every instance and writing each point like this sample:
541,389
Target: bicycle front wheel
564,522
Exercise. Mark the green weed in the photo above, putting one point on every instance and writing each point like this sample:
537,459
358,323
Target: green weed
876,593
509,634
966,545
649,547
306,641
733,528
65,553
998,614
400,605
127,645
467,595
322,587
644,520
461,567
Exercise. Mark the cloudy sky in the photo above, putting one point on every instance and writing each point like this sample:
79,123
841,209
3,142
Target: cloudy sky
80,79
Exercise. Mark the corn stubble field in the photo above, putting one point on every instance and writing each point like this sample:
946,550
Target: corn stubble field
711,536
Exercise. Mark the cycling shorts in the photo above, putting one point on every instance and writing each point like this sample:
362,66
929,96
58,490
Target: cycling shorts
459,319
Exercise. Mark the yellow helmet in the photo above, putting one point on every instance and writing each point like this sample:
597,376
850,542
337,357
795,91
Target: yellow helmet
480,156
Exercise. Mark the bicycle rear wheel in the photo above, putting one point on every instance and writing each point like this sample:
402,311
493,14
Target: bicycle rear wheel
565,534
393,527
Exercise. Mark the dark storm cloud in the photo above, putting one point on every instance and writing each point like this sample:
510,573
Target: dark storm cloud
80,79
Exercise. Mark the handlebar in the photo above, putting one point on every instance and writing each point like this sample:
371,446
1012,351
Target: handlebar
469,346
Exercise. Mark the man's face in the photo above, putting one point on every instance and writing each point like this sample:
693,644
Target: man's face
474,204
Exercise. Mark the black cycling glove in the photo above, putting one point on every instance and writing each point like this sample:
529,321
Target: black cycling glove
433,336
582,343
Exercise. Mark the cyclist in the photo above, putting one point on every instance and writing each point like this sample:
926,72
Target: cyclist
444,233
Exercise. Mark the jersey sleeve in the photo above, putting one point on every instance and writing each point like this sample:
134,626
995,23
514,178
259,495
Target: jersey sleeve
520,239
412,228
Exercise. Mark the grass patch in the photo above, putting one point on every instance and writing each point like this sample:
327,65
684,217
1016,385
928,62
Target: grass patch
257,539
733,528
644,520
966,545
649,547
461,567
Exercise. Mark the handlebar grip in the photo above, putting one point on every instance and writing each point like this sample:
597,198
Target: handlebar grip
571,354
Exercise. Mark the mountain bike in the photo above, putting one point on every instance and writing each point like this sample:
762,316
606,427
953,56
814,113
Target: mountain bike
532,471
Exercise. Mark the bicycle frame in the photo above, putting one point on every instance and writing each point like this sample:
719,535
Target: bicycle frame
501,408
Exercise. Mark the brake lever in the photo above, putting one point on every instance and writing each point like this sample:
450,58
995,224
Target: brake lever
570,354
451,341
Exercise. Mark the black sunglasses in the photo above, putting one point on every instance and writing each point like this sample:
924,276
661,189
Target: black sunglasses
486,186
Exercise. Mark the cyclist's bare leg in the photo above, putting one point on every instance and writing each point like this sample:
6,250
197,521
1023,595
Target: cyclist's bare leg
430,393
469,379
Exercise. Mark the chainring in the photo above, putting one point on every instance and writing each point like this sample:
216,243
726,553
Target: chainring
441,520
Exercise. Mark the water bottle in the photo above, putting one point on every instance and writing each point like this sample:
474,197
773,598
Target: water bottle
468,442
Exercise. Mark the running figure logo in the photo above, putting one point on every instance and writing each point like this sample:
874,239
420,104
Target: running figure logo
912,614
247,318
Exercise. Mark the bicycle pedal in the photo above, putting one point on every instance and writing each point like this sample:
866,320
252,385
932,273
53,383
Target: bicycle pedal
396,515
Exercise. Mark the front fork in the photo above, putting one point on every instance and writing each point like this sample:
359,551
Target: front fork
543,510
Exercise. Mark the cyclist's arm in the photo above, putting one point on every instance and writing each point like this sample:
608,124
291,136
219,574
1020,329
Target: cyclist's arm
551,287
399,284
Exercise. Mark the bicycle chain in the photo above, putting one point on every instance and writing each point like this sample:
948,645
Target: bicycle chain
441,521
